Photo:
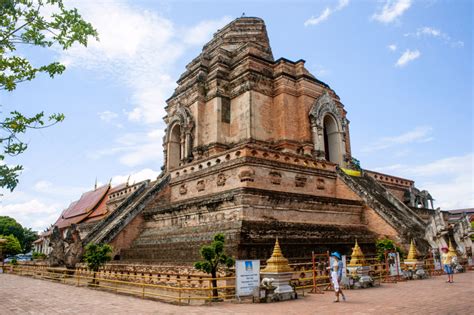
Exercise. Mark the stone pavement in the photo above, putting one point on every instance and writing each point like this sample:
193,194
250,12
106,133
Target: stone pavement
22,295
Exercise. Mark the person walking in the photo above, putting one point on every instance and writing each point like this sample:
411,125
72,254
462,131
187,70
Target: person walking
447,261
336,275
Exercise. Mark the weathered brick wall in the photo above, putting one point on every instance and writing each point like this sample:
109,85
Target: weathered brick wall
126,237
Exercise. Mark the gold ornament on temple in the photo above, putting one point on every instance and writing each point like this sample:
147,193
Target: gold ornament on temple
412,256
357,257
277,263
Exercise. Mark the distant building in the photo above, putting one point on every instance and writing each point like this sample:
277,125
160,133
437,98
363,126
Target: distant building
92,207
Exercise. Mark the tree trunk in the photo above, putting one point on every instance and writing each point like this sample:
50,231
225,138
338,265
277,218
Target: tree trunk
215,294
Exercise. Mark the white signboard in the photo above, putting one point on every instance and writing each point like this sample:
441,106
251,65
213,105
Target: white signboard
247,276
394,264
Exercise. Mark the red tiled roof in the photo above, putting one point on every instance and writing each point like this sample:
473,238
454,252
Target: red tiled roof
82,208
87,203
100,210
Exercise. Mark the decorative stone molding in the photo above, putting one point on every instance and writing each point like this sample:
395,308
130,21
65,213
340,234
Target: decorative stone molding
325,104
300,181
183,189
200,185
320,184
221,178
247,175
275,177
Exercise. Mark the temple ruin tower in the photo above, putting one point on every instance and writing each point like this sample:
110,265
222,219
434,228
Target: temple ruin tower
254,148
234,92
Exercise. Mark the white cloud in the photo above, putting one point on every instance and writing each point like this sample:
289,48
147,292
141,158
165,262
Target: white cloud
134,149
427,31
135,176
392,47
326,13
139,48
43,186
449,180
391,10
407,56
418,135
34,213
107,116
200,33
66,192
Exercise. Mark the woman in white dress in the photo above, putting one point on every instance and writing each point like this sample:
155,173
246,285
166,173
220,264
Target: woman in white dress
336,275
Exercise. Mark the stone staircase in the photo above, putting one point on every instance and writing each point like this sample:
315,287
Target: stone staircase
110,227
392,210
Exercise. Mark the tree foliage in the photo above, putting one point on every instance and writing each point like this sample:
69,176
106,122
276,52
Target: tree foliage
25,236
12,246
29,236
384,244
214,256
24,22
96,255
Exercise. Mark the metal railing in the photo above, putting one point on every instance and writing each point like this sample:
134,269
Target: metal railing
179,291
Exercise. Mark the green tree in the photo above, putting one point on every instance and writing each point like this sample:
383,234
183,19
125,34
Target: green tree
29,236
12,246
384,244
96,255
26,236
214,256
22,23
8,226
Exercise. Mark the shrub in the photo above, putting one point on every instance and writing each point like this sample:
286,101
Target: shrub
214,256
386,244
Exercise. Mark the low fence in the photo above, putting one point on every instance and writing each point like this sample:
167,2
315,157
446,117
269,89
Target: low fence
185,290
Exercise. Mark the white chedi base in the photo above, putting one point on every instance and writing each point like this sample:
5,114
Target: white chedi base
281,282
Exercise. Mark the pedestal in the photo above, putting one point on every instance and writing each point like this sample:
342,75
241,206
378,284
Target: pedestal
281,282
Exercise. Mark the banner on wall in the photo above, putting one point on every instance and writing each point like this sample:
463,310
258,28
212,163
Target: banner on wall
247,277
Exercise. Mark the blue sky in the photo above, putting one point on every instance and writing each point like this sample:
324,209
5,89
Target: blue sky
403,69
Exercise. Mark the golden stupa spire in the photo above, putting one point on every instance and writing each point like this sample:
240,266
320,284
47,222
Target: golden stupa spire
357,256
277,263
451,251
412,256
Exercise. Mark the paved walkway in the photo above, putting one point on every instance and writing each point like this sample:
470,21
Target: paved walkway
22,295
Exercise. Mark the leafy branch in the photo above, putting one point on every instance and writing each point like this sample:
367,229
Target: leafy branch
22,22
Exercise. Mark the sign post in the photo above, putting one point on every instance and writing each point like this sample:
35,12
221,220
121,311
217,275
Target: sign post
247,277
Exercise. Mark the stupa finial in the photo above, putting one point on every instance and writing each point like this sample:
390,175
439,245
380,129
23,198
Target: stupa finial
277,263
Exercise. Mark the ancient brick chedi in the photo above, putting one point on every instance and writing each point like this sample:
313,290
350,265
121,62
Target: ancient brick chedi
258,148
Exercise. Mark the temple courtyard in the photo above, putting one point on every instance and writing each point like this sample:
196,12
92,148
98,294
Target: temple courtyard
23,295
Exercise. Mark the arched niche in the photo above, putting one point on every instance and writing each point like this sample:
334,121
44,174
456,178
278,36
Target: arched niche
328,129
178,141
174,149
332,140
